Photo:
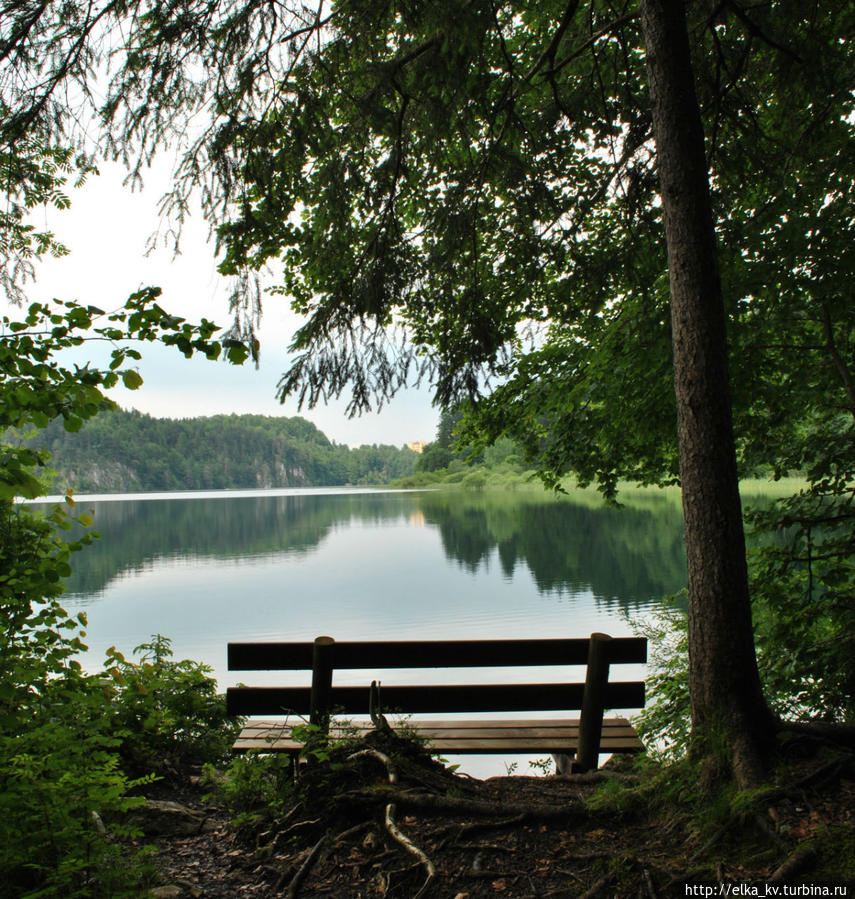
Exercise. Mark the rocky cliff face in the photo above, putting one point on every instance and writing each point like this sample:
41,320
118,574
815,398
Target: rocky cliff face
98,477
281,475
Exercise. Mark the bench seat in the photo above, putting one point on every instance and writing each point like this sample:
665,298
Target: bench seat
484,736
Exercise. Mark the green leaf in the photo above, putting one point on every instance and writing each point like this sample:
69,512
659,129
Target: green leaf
132,379
237,354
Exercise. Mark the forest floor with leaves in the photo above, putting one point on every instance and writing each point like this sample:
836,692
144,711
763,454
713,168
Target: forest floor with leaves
612,833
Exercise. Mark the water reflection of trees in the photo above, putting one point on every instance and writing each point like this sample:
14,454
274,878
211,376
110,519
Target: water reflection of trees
137,533
625,556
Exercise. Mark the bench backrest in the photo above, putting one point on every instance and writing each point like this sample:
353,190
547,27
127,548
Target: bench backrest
324,655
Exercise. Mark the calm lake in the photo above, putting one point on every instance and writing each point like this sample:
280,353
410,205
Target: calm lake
204,569
358,564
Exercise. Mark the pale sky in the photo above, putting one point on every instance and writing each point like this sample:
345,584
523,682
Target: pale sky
106,230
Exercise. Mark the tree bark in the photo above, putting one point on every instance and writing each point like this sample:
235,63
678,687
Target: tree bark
728,708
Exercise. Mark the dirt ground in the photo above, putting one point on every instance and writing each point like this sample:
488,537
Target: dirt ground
606,834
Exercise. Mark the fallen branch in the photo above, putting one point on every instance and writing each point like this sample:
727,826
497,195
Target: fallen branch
291,813
291,866
486,847
648,884
303,870
600,884
690,875
725,828
582,857
490,875
801,860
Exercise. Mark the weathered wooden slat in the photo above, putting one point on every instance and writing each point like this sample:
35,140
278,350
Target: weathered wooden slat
431,654
448,733
501,733
510,733
481,737
472,747
420,699
439,727
524,745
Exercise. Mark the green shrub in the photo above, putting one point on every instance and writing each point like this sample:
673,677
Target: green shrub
254,788
58,763
475,480
60,781
168,713
665,723
419,479
803,591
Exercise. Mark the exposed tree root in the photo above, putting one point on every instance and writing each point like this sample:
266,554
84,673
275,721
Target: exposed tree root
820,777
585,778
391,826
352,831
839,734
428,802
529,837
505,818
291,831
410,847
815,780
381,757
456,831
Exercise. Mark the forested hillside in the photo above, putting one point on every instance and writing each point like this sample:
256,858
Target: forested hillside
128,451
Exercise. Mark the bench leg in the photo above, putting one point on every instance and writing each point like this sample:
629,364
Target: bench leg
593,702
563,763
322,670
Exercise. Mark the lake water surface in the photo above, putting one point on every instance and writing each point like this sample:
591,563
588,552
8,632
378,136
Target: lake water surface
204,569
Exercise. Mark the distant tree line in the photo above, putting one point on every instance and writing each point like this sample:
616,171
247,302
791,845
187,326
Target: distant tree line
128,451
449,459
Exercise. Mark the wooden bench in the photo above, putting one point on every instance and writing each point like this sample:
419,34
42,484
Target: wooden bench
584,737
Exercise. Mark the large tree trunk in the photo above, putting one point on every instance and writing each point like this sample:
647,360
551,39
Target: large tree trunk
728,709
